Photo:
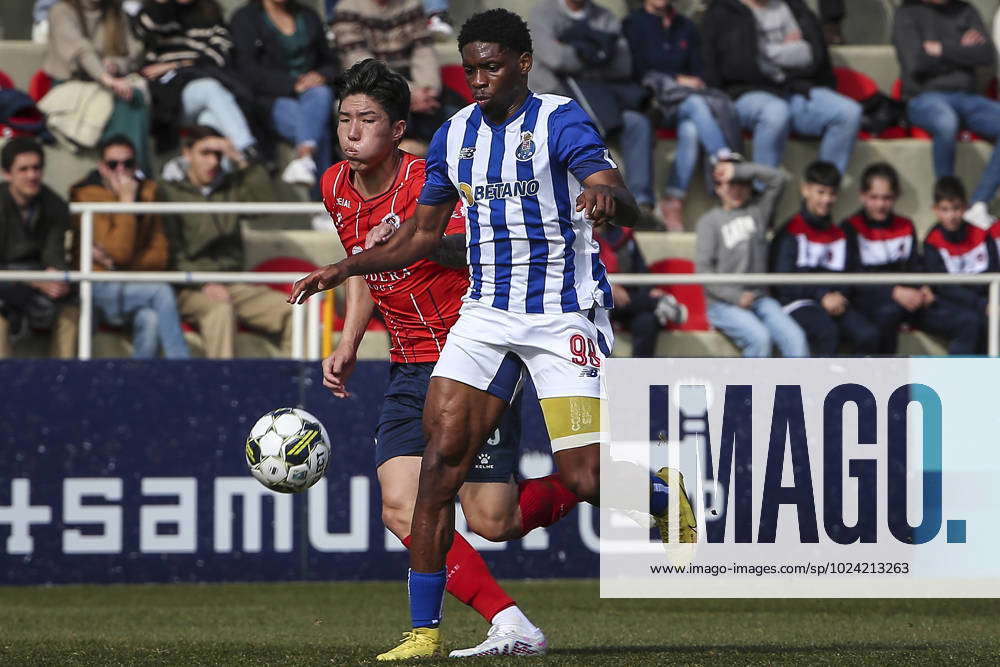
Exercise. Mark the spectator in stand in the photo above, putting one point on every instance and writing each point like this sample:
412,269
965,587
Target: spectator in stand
213,242
130,242
731,238
91,40
396,32
810,242
643,311
879,241
939,44
438,20
770,56
665,42
955,246
580,52
282,53
33,225
188,67
996,30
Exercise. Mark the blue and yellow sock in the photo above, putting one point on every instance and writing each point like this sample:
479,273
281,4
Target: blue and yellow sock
658,490
426,598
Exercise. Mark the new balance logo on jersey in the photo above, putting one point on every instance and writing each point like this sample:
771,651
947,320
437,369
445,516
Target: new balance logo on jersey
590,373
504,190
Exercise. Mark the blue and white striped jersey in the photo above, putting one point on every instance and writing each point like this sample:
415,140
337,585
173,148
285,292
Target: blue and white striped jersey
529,251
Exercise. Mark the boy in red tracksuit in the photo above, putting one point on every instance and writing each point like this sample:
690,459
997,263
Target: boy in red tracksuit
954,246
879,241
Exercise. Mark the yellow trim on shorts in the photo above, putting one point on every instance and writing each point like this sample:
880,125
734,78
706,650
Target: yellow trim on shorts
572,421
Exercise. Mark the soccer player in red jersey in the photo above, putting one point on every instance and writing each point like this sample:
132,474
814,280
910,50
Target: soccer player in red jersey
369,195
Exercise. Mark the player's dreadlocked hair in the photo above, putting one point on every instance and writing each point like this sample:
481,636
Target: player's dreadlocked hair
374,78
497,26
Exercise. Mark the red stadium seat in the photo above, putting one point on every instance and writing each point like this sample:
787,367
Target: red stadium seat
40,85
859,87
854,84
27,117
692,296
453,78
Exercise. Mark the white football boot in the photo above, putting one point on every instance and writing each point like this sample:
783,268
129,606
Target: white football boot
507,640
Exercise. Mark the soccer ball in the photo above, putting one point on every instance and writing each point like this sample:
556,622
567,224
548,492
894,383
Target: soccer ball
288,450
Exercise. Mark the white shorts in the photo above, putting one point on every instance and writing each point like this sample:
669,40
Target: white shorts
564,354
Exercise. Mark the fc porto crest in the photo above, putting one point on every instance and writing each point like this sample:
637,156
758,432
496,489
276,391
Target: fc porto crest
526,150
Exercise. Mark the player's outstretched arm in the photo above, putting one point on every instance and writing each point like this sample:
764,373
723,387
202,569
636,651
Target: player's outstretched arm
605,198
410,243
337,368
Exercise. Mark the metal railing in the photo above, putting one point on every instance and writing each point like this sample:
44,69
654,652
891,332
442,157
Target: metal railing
307,318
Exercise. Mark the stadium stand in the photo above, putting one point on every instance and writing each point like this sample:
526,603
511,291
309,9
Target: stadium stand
867,54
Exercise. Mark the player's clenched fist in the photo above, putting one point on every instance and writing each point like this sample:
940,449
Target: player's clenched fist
325,278
597,203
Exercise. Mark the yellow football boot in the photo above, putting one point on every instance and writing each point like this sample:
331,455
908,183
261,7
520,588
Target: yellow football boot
687,528
417,643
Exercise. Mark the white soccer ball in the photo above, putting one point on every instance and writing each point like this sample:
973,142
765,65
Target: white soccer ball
288,450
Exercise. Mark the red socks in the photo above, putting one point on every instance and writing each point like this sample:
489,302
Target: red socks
470,581
544,501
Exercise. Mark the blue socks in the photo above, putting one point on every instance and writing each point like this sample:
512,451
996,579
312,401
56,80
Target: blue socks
427,598
657,494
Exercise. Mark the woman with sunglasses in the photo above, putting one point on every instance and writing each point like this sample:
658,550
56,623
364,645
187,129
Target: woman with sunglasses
130,242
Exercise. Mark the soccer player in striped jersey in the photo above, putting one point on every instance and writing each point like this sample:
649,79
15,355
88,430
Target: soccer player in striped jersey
535,177
370,193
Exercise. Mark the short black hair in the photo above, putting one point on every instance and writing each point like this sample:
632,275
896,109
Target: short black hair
820,172
195,133
19,146
374,78
114,140
949,188
497,26
882,170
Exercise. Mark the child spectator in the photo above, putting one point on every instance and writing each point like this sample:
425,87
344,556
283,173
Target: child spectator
91,40
282,53
731,239
130,242
644,311
33,225
214,242
810,242
954,246
188,67
879,241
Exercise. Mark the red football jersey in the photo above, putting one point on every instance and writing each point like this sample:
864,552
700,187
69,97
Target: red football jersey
419,303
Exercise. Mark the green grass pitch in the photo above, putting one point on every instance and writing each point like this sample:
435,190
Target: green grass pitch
348,623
